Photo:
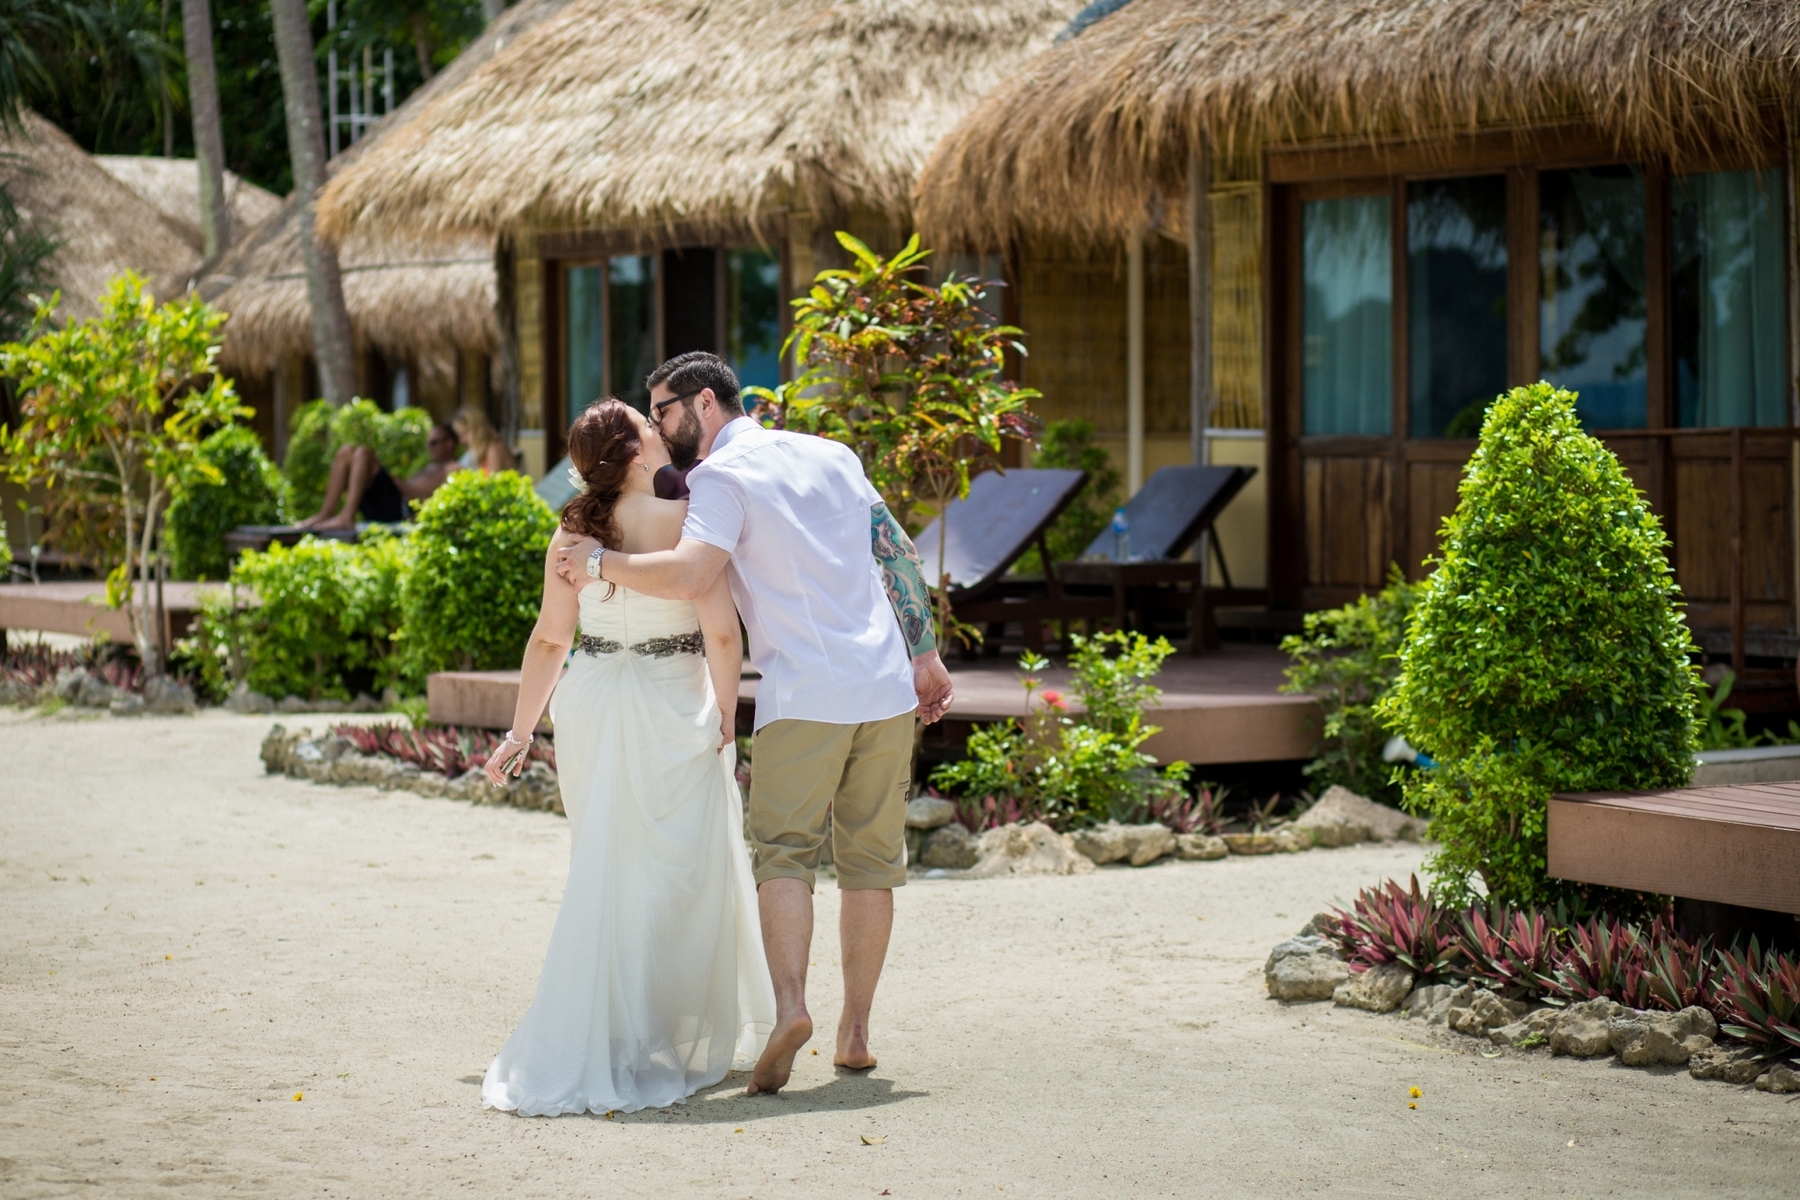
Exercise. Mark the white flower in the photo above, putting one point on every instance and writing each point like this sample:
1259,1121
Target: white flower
577,482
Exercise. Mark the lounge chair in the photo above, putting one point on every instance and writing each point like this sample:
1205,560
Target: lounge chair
1004,515
1167,516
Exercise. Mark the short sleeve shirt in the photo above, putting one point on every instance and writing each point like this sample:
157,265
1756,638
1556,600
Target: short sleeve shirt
793,511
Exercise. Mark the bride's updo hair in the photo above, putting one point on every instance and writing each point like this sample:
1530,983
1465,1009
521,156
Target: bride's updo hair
602,443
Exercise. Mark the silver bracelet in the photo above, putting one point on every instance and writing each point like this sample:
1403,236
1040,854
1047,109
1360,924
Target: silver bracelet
509,737
593,563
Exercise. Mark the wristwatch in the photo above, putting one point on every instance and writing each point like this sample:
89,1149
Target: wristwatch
594,562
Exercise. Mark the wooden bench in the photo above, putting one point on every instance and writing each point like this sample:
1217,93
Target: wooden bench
1737,844
80,609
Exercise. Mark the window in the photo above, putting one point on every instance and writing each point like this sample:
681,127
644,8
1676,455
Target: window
586,373
753,315
1456,302
1729,310
631,326
1347,313
1591,314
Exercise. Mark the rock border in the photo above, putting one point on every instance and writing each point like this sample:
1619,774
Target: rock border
1308,968
334,759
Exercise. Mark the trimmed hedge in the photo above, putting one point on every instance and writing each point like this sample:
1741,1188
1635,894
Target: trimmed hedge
248,492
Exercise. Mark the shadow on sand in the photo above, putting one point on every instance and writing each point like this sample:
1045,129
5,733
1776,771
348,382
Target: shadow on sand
726,1104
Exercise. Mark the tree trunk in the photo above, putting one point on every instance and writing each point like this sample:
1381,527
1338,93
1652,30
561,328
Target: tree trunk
332,344
209,137
422,45
491,10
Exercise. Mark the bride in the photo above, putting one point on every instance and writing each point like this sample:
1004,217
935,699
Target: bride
655,984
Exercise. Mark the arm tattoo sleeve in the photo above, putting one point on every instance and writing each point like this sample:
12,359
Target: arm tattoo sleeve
903,575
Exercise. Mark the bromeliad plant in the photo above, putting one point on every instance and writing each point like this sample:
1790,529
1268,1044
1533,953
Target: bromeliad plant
446,750
112,410
908,375
1392,924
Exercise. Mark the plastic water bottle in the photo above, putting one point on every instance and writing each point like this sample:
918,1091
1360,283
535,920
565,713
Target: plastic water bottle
1121,531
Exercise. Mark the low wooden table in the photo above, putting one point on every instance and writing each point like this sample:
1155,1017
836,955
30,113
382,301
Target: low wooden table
1122,579
1736,844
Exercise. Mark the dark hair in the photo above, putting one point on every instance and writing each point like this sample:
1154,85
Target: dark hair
602,443
695,370
444,428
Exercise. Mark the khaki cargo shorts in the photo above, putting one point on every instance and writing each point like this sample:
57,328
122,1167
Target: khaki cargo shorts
806,774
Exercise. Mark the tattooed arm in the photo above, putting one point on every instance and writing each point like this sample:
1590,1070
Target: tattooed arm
903,575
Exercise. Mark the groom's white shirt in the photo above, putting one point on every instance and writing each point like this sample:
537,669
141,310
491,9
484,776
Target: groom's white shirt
792,510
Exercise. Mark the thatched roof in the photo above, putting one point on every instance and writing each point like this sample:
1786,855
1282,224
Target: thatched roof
639,113
104,226
1079,142
172,186
410,300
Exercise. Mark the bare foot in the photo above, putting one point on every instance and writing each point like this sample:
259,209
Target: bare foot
853,1052
341,521
777,1061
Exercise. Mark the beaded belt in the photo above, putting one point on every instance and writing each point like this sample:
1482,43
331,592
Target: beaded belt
661,647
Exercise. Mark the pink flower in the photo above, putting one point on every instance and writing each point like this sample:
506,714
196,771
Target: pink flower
1055,700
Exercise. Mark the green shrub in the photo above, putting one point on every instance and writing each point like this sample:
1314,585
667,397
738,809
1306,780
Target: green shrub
247,492
1071,444
324,624
1348,658
317,430
1547,653
476,574
1080,771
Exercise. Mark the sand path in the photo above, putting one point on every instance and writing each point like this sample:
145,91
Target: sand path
188,943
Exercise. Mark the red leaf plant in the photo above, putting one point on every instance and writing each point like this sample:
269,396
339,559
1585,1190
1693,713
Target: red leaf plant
1605,957
1511,952
446,749
1392,924
1759,994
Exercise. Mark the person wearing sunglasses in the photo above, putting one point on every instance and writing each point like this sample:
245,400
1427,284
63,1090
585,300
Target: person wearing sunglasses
831,593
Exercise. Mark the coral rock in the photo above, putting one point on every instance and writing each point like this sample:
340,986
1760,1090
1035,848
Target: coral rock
1343,818
1581,1031
1660,1039
952,848
1199,846
1137,844
1304,968
1033,849
1378,989
1779,1079
1737,1064
928,812
1433,1003
1483,1013
1535,1024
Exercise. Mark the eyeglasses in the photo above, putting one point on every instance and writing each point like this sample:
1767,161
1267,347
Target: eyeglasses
657,410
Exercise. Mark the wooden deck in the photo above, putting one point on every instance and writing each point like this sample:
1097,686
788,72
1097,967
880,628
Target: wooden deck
80,609
1731,845
1223,707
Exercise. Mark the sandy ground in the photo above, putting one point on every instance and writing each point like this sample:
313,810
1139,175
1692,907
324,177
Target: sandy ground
187,944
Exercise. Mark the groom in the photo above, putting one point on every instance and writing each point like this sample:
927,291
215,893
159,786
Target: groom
820,570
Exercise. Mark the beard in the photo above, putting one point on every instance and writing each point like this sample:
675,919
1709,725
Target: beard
684,443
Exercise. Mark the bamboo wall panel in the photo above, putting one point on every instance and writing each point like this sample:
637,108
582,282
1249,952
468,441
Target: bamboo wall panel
1167,364
1072,308
530,301
1237,319
1346,502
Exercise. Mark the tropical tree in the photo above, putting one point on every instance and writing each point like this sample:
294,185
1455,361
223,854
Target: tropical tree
907,374
306,146
209,135
111,411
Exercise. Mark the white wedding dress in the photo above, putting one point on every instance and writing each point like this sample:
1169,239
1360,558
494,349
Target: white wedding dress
655,984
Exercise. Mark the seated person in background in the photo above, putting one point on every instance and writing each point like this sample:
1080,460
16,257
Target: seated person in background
360,484
486,451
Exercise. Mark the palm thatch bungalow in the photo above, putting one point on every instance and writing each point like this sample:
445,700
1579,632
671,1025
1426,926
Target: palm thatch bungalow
172,186
103,226
1404,207
661,178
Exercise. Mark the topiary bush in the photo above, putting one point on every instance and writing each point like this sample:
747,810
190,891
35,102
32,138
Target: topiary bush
1548,651
324,623
317,430
247,492
476,573
1348,658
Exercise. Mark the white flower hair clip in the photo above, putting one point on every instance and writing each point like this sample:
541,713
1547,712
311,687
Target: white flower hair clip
577,482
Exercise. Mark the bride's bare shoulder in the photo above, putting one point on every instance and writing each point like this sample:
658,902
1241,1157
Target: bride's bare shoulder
650,524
